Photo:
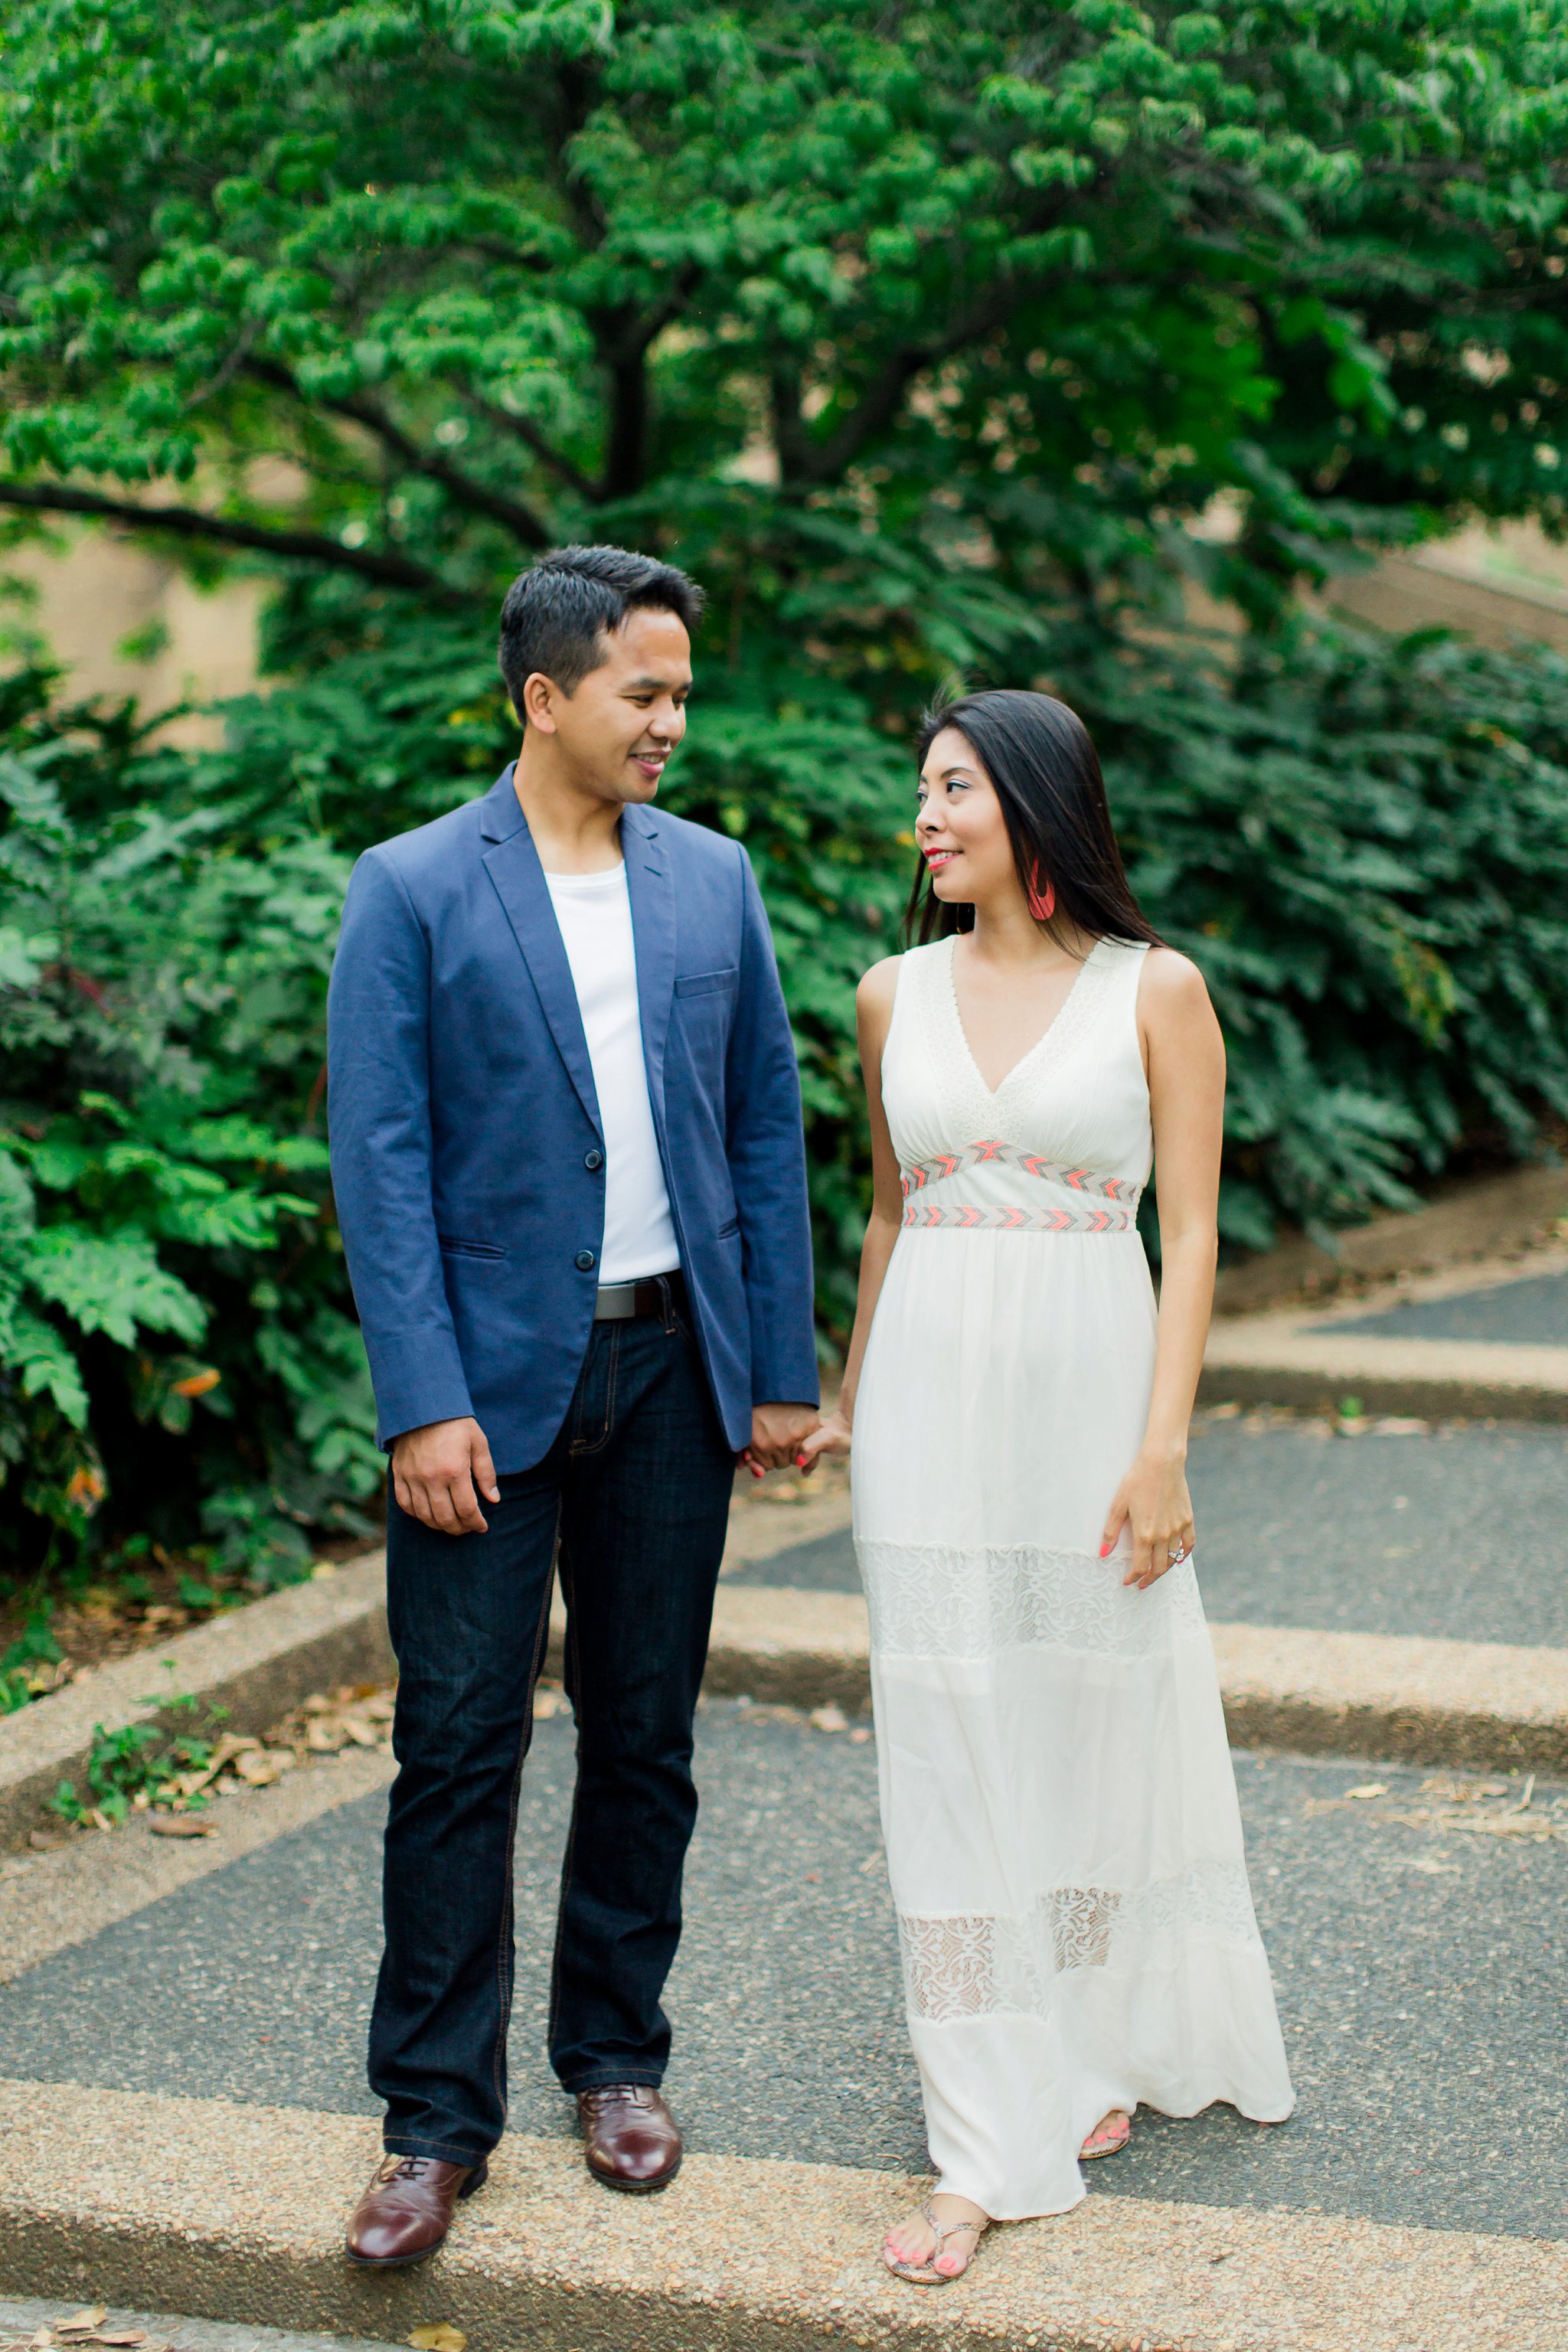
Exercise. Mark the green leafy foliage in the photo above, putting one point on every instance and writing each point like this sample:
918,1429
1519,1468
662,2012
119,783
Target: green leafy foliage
400,290
154,1763
175,1334
20,1680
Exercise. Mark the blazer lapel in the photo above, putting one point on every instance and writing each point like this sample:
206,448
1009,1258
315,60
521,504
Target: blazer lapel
512,863
652,890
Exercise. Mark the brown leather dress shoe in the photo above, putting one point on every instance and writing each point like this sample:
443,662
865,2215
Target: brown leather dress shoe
406,2211
633,2141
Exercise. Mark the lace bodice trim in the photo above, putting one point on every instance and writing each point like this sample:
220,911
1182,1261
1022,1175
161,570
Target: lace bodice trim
1078,1013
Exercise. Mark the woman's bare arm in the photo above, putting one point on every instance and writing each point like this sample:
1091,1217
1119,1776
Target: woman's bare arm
1185,1057
873,1012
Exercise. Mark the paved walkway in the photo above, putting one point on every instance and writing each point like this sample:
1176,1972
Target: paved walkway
1531,1312
1421,1967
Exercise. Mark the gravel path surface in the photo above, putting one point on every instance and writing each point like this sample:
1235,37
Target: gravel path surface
1421,1966
1460,1532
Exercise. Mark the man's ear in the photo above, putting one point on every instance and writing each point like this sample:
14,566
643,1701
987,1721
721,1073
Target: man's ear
539,697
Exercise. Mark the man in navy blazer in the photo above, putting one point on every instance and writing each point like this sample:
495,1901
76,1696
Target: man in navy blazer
570,1176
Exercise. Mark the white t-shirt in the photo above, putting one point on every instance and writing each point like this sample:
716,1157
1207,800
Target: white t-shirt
594,912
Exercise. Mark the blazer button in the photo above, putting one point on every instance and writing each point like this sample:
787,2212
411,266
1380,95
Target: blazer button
584,1261
593,1161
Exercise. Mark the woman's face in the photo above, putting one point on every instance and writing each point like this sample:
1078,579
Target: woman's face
961,831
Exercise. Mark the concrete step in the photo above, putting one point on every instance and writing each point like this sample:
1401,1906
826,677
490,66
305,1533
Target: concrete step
1409,1349
236,2213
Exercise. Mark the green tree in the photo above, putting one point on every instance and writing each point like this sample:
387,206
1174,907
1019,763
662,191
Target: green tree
405,289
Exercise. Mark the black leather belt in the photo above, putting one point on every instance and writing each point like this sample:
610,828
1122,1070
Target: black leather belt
618,1301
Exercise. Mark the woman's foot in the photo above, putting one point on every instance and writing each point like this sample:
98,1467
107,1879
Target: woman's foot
936,2246
1110,2136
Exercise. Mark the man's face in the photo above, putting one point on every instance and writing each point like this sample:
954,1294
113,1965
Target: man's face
623,720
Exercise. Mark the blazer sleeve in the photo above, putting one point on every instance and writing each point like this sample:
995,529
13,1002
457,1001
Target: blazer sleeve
378,1056
767,1148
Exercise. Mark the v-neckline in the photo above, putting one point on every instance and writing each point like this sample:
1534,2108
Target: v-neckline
1050,1031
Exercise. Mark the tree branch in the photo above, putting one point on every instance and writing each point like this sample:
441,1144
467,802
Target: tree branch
821,461
385,569
523,429
626,444
494,505
623,340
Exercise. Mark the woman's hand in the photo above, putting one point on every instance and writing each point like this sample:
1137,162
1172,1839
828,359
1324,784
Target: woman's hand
831,1435
1153,1501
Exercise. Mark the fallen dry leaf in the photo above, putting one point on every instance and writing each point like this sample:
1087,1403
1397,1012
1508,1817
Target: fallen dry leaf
121,2336
364,1734
90,2316
547,1704
1497,1824
829,1718
257,1768
1372,1789
182,1825
438,2338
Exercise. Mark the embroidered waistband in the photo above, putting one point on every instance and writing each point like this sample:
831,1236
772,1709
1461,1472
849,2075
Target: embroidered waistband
1108,1205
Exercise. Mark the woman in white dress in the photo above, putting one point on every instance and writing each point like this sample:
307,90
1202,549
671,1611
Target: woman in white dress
1058,1808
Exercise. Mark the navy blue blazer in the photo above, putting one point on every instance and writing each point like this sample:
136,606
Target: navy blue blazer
467,1157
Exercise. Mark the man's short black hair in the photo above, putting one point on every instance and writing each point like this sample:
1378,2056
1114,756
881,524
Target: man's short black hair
558,612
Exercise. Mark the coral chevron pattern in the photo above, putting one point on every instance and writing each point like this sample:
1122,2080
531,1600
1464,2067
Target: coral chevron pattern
1109,1203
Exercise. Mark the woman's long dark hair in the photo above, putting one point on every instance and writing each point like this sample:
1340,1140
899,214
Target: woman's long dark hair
1040,758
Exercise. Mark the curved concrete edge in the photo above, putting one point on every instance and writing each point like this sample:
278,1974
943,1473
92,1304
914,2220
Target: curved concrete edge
1477,1703
234,2213
256,1662
1274,1361
1479,1219
1461,1703
1472,1703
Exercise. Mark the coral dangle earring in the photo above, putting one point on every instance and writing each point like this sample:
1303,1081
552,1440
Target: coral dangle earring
1042,907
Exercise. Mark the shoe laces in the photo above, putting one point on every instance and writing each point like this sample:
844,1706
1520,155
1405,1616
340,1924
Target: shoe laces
401,2168
631,2094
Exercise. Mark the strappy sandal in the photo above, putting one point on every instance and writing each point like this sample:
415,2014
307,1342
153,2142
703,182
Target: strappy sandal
921,2274
1088,2153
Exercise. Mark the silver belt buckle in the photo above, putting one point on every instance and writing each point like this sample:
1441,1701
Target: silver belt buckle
617,1302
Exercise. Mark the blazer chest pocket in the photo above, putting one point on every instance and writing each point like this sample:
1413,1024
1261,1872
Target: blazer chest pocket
451,1247
708,984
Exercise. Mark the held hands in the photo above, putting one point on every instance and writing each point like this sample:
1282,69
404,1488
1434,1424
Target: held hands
1153,1501
831,1436
435,1472
777,1433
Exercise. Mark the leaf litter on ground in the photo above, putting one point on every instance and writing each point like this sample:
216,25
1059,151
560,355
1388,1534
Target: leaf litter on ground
352,1715
1492,1808
91,2327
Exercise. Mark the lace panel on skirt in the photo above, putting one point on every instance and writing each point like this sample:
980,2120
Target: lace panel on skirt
960,1965
937,1600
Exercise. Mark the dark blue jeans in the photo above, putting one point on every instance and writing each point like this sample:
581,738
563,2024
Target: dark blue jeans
638,1487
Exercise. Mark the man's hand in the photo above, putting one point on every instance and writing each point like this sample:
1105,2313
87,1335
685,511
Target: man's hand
434,1473
778,1433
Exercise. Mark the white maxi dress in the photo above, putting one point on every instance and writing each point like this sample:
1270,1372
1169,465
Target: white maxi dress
1058,1808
